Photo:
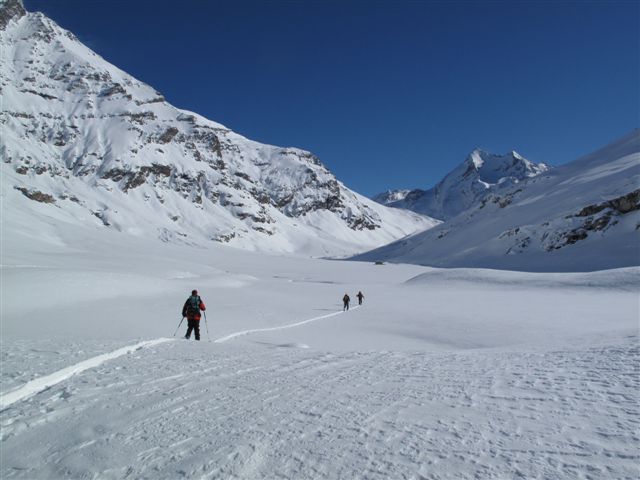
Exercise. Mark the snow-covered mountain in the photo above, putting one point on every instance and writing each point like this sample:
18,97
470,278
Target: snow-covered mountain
465,186
582,216
84,142
391,196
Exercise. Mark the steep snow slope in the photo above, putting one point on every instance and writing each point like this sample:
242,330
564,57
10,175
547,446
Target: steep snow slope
84,142
579,217
465,186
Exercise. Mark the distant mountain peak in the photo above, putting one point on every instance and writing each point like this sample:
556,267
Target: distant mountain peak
476,158
466,185
479,156
390,196
581,216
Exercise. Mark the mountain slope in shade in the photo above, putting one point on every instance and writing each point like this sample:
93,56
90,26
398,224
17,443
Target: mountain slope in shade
392,196
84,142
582,216
465,186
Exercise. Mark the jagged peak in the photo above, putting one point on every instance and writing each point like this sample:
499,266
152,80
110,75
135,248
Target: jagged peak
478,157
10,9
515,154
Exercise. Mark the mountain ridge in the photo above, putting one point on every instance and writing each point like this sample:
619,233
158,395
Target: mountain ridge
581,216
464,186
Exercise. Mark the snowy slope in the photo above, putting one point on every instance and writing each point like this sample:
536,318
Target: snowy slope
440,374
85,143
466,185
582,216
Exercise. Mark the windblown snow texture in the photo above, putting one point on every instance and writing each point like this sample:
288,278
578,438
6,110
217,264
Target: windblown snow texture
84,142
582,216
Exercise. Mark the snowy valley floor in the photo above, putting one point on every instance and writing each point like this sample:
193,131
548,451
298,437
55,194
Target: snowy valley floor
440,374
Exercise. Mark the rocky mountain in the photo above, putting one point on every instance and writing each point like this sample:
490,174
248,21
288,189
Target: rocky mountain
85,143
465,186
582,216
392,196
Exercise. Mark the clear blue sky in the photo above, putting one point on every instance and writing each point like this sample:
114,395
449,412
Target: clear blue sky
389,94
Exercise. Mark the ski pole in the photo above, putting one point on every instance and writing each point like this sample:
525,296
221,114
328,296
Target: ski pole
174,333
206,325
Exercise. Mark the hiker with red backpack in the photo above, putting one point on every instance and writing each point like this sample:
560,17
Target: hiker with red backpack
191,310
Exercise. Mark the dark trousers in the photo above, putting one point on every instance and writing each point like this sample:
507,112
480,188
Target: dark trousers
359,301
346,306
193,324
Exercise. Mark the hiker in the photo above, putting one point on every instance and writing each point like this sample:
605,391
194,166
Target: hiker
345,300
360,297
191,310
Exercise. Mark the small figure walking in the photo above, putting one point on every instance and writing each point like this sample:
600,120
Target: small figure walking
345,301
360,297
191,310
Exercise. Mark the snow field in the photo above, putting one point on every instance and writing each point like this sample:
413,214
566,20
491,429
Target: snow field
223,411
440,374
40,384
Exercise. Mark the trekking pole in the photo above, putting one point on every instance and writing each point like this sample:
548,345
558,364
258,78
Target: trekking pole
206,325
174,333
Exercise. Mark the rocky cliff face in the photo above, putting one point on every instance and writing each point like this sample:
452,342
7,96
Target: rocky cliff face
465,186
102,145
10,9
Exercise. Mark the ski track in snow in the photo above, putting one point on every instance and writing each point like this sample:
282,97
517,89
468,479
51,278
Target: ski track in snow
281,327
40,384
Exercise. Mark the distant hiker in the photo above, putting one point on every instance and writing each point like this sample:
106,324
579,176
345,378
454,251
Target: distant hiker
360,297
191,310
345,300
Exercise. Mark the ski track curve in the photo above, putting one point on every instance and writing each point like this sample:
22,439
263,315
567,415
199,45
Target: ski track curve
40,384
280,327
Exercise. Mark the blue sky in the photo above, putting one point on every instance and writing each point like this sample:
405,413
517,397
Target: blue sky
389,94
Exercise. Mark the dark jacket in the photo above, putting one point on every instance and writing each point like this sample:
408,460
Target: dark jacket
192,307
